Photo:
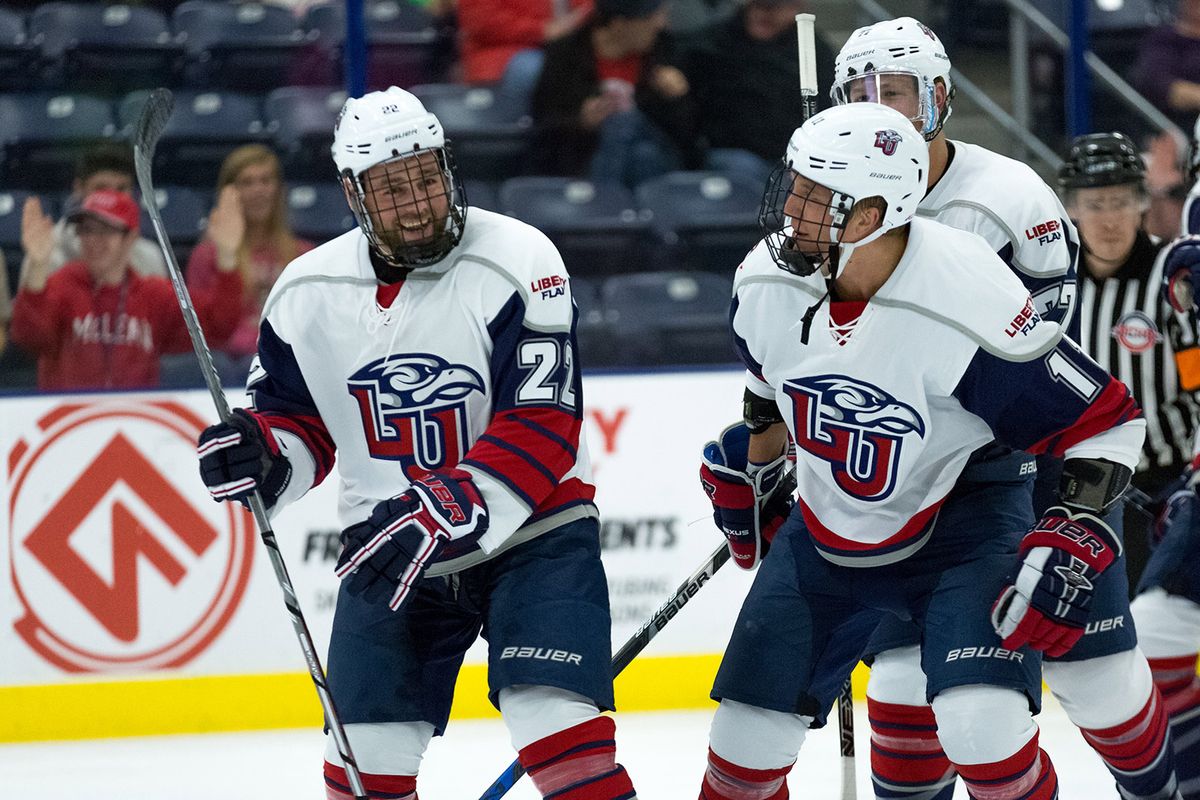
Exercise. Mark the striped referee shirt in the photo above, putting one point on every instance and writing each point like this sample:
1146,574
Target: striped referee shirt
1131,331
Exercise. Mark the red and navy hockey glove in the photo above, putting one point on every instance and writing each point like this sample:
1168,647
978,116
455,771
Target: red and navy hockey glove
1061,557
749,502
241,455
390,551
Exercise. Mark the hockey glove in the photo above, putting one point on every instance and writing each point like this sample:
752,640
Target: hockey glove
749,502
1047,606
389,552
241,455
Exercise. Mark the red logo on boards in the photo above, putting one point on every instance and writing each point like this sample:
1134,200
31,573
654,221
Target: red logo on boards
116,559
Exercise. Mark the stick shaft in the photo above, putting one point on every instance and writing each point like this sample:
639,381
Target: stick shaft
149,129
806,52
649,629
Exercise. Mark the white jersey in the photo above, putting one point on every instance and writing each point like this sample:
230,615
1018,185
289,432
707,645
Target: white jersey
470,365
948,355
1006,203
1190,220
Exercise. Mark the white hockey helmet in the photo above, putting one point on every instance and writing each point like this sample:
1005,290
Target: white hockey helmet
393,127
896,47
869,150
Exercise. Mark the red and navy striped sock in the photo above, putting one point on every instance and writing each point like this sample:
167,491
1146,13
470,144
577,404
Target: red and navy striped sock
1176,680
724,780
578,763
379,787
907,760
1138,752
1025,775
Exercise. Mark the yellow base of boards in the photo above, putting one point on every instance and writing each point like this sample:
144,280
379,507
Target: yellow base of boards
94,709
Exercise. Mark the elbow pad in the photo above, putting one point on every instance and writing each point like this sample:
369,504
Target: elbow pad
1093,484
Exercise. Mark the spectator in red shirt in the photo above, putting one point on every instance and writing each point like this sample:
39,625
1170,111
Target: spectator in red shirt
96,323
491,32
247,232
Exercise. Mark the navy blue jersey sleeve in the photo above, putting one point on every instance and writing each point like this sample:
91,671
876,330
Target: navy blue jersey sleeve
533,437
1047,404
279,393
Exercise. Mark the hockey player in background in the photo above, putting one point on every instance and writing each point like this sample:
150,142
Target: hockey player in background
891,349
436,355
902,64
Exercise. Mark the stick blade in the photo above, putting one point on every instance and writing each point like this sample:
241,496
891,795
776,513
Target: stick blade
151,123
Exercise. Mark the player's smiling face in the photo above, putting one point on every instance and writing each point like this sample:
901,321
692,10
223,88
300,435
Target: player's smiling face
408,199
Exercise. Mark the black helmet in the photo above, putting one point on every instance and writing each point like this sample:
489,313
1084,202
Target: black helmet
1101,159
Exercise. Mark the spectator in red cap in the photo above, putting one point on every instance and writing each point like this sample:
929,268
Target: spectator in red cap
96,323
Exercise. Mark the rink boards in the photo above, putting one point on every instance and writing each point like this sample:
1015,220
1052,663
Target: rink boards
133,604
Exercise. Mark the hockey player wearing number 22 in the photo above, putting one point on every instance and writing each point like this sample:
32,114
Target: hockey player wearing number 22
434,351
891,348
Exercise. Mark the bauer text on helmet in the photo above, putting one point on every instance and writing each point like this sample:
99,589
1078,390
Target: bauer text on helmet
398,173
838,159
900,63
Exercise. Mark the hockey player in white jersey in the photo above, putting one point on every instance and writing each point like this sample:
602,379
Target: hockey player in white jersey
433,349
891,348
901,63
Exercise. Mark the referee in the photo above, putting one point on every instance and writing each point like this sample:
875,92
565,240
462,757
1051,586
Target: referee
1124,322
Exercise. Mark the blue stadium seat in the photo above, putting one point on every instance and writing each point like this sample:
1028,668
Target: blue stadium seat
184,212
489,139
596,227
301,120
203,129
43,133
243,46
401,41
20,57
597,346
666,318
102,47
481,194
318,212
704,220
12,202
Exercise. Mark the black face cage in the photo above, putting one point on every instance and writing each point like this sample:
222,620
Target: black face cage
399,247
793,254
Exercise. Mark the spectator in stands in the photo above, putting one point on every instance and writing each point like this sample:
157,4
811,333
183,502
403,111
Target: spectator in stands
745,78
96,323
612,103
1168,66
105,166
248,232
504,38
687,17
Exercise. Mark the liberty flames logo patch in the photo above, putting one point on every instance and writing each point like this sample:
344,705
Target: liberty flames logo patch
887,141
857,428
414,409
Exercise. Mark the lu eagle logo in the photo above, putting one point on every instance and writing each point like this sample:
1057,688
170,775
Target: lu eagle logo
887,141
856,427
414,409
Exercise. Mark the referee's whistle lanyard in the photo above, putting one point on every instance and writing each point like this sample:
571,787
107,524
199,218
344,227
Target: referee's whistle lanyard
108,339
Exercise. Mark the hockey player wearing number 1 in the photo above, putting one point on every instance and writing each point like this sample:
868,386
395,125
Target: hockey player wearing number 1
891,348
432,348
902,64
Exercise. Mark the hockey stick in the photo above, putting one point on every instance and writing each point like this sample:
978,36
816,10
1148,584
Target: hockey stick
806,52
149,128
631,648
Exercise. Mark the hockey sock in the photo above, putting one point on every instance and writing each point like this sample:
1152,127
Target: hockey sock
1138,752
907,760
1176,680
579,763
379,787
1025,775
724,780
